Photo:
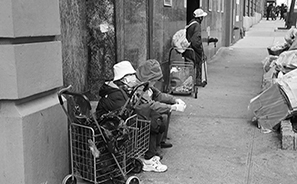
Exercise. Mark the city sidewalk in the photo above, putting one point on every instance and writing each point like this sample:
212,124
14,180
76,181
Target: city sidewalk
214,141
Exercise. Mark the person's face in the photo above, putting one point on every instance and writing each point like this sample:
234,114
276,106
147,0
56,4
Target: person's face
159,85
130,80
199,19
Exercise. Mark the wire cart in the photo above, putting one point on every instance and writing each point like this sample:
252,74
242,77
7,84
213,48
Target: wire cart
182,76
95,155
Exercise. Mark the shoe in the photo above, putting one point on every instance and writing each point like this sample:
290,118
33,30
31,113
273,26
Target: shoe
203,84
159,155
165,145
265,130
153,165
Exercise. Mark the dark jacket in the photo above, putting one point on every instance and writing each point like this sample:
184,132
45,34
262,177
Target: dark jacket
112,98
159,102
193,35
152,108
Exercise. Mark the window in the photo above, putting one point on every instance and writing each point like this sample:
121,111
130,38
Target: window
210,5
167,2
218,5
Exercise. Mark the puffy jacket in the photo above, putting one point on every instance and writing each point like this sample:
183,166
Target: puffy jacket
112,98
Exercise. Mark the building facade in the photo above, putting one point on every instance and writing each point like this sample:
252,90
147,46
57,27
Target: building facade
47,44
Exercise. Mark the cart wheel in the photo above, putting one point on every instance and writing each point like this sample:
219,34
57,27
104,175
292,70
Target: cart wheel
204,83
138,165
69,180
133,180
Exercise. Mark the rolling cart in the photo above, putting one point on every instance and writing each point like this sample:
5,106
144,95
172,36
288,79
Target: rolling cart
182,76
99,154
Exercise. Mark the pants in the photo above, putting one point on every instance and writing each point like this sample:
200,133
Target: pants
197,60
152,151
267,15
157,136
163,136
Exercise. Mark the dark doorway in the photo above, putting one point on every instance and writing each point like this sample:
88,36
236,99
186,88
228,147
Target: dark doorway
191,6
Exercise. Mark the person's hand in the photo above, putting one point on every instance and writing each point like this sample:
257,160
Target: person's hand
179,101
173,107
178,107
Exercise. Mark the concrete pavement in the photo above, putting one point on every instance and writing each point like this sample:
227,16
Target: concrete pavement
214,139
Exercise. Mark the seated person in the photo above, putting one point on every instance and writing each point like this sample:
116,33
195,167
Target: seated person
151,71
114,95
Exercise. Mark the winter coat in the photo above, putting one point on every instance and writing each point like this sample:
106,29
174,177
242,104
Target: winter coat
194,37
111,98
153,104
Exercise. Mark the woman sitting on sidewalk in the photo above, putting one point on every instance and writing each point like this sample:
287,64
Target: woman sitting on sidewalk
113,97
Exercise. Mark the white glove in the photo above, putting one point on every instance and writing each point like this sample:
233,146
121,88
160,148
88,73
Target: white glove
179,101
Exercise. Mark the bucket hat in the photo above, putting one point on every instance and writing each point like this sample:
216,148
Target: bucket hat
199,13
121,69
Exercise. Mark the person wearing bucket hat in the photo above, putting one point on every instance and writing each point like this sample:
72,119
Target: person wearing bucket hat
113,92
199,13
160,104
193,35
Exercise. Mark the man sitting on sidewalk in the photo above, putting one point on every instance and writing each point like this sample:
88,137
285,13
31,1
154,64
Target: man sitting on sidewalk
162,103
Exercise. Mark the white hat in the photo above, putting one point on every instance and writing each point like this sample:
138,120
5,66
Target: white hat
199,13
121,69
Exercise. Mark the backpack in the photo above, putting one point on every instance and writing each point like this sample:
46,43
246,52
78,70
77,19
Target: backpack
179,39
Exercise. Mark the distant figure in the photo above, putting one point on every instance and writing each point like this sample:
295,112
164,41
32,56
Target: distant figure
273,12
283,11
277,10
268,11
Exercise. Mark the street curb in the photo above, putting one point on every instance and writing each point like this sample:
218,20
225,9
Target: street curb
288,136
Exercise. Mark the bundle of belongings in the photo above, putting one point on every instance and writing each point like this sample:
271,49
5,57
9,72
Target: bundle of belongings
278,98
115,133
289,44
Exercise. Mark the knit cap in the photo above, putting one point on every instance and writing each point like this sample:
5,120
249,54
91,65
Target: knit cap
149,70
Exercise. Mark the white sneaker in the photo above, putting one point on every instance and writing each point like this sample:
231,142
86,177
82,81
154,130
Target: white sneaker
154,165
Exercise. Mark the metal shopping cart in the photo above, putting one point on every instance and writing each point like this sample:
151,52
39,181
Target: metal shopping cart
98,154
181,76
